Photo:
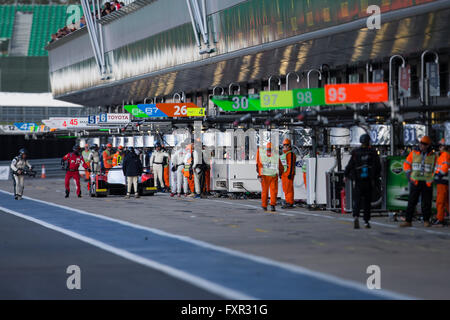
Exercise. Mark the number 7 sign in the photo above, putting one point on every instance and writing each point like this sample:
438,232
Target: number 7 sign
356,93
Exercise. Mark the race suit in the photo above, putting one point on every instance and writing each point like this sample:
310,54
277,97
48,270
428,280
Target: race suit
18,179
74,162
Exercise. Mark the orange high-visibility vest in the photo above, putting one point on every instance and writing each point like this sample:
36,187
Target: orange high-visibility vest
117,159
107,159
442,163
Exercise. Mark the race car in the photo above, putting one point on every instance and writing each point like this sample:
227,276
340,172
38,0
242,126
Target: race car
116,182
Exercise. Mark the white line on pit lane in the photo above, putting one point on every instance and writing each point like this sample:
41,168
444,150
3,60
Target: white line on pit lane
199,282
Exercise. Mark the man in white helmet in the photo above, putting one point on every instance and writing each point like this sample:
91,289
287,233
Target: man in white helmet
19,167
177,169
94,159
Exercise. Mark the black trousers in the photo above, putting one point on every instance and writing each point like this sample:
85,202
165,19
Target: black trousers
426,194
362,197
201,178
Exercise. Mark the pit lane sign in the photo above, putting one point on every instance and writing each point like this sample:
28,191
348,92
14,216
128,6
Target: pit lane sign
176,110
237,102
356,93
109,118
309,97
150,110
292,98
276,99
25,126
271,100
298,98
67,123
165,110
135,111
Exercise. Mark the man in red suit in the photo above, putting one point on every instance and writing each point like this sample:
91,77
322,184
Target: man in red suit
73,160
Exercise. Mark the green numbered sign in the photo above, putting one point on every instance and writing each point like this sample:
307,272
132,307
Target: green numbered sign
234,103
276,99
254,101
271,100
135,111
309,97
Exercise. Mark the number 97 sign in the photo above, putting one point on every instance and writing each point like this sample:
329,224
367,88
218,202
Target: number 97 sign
276,99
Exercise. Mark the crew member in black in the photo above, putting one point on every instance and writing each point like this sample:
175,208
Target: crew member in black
364,169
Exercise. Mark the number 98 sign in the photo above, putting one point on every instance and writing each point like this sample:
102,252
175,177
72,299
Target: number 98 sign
309,97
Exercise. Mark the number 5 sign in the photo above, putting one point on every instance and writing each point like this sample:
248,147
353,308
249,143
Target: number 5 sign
356,93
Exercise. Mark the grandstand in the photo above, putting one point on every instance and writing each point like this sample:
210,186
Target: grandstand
47,19
26,27
7,21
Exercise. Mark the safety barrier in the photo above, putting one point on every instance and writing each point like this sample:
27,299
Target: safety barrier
52,167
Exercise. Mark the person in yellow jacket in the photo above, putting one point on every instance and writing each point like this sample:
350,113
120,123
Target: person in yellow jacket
188,170
419,168
441,180
118,157
86,153
304,168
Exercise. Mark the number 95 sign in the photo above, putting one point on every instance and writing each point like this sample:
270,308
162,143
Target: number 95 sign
356,93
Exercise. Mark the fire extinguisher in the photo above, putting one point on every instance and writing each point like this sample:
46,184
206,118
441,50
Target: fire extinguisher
343,200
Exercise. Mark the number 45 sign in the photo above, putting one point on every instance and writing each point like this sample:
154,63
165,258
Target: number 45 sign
70,123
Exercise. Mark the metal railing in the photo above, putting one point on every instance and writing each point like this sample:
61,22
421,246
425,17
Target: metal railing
52,167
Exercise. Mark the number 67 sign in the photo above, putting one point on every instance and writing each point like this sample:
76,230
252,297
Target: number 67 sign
356,93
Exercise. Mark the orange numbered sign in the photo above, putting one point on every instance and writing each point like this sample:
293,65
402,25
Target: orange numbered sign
356,93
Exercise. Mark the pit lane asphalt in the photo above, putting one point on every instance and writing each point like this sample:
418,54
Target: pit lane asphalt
34,261
412,261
